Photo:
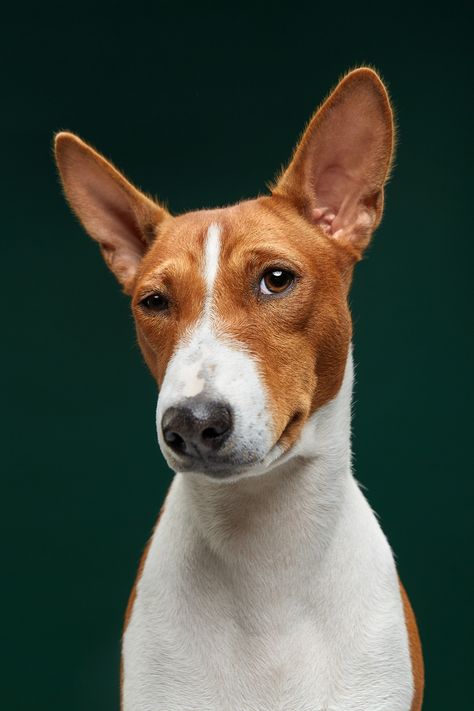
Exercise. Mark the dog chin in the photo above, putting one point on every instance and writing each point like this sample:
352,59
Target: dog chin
223,470
226,469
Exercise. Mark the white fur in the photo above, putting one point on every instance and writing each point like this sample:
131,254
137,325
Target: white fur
224,370
271,593
211,260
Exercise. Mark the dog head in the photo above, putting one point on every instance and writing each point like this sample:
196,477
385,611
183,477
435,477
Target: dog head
241,312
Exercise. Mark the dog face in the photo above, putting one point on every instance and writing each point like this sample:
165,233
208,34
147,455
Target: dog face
241,312
249,333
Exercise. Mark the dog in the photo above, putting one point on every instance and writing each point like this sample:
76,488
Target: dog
268,584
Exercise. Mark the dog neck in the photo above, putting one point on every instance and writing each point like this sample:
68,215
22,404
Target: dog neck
288,513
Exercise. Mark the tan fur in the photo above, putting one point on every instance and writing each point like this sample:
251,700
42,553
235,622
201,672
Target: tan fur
416,653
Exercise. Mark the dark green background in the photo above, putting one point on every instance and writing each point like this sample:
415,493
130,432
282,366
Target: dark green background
201,106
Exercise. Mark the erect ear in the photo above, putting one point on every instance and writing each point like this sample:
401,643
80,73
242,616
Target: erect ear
117,215
339,168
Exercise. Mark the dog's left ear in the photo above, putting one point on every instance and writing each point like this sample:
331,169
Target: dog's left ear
119,217
337,174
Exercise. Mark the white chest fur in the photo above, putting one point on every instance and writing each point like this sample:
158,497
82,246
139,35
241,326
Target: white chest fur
274,593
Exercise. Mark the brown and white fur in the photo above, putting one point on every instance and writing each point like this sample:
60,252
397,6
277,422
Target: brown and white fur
268,584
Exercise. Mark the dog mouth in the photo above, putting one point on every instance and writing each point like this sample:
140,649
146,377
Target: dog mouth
293,424
216,467
285,441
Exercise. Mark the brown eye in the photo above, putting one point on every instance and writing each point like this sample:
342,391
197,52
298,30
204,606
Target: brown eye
276,281
155,302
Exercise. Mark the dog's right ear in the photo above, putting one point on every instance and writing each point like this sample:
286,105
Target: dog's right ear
337,175
119,217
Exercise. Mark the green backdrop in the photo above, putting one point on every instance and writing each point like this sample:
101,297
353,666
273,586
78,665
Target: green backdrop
201,106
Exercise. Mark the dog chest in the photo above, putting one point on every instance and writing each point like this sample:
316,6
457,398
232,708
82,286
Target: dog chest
330,639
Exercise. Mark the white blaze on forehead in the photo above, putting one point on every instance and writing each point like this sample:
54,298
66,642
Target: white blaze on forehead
211,262
191,373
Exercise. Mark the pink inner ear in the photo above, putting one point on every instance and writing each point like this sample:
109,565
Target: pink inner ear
348,216
110,209
107,209
339,169
344,171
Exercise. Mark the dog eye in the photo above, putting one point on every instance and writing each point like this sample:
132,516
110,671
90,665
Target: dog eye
276,281
155,302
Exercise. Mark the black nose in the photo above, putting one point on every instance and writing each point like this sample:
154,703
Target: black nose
197,427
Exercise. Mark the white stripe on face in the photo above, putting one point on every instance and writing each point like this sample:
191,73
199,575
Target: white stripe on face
211,260
193,382
219,369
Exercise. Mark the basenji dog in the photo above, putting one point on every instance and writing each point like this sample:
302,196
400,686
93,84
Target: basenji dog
268,584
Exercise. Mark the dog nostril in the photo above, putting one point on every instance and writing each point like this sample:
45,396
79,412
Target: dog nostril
213,432
217,427
175,441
